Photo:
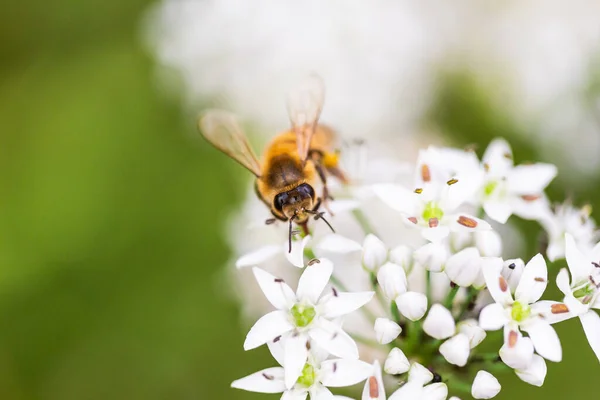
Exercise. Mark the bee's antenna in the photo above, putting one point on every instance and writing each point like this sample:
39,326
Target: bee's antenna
290,235
319,215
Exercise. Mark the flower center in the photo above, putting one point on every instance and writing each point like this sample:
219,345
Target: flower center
587,291
303,315
489,188
307,379
432,210
520,312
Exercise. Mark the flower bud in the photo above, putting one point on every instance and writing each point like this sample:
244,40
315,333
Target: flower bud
431,256
386,330
396,362
412,305
419,374
374,253
535,374
485,386
456,350
392,280
439,323
464,267
474,332
489,243
435,391
403,256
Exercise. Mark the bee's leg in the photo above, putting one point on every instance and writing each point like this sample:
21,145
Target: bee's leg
326,196
317,204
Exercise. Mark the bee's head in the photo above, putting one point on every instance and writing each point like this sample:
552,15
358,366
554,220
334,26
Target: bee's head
296,204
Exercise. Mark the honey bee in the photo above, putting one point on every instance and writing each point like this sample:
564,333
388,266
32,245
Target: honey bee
293,163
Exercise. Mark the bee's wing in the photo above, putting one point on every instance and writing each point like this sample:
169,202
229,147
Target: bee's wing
223,131
304,106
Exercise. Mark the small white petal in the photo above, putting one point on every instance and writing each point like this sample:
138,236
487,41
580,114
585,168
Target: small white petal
474,332
493,317
267,328
545,309
336,243
397,197
320,392
579,265
374,389
562,281
333,339
591,326
392,280
435,235
463,267
485,386
342,303
419,374
276,290
412,305
498,210
456,350
313,280
410,390
432,256
295,356
530,179
517,351
496,283
295,394
396,362
268,380
296,256
402,255
465,189
435,391
343,205
439,323
276,347
339,372
386,330
535,373
512,270
533,281
258,256
374,252
489,243
545,340
498,157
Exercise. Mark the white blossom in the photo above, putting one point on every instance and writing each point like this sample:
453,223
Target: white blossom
386,330
485,386
396,362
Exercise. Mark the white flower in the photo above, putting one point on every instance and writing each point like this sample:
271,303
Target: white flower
417,386
266,252
316,375
456,350
511,190
392,279
440,324
582,293
535,373
374,251
524,312
374,389
386,330
464,268
568,219
305,316
485,386
396,362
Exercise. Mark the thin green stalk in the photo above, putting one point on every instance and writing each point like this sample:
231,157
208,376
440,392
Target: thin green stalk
364,340
471,296
395,313
428,287
450,297
364,223
413,337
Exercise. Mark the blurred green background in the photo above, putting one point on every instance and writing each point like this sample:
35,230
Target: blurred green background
111,251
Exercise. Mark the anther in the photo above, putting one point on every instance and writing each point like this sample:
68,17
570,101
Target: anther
530,197
314,261
308,345
452,181
279,280
425,173
277,339
413,219
559,308
466,221
512,266
335,292
512,339
595,264
373,388
270,221
268,377
433,222
503,284
419,190
538,279
508,155
486,167
334,367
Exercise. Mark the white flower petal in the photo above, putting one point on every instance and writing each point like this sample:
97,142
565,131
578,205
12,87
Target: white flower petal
517,351
333,339
386,330
474,332
313,280
342,205
374,252
439,323
296,256
530,179
498,157
496,283
489,243
295,394
419,374
276,347
412,305
392,280
410,390
258,256
320,392
268,380
562,281
267,328
339,372
468,223
512,270
279,294
535,373
374,389
464,267
456,350
402,255
468,183
591,326
579,265
435,235
431,256
545,340
336,243
498,210
533,281
396,362
397,197
553,311
435,391
341,303
295,356
493,317
485,386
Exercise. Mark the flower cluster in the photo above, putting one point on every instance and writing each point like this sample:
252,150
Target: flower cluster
416,282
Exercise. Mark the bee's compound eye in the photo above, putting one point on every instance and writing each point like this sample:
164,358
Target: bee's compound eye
280,200
306,190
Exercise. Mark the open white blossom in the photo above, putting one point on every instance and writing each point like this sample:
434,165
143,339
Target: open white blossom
574,221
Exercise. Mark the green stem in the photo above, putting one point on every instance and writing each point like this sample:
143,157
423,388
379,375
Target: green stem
413,337
364,340
471,296
395,313
450,297
364,223
428,285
